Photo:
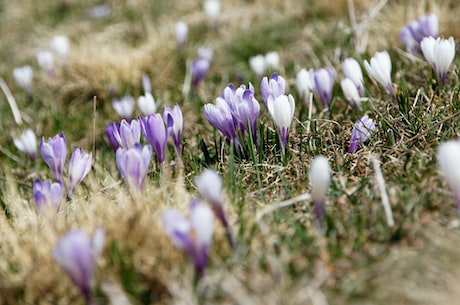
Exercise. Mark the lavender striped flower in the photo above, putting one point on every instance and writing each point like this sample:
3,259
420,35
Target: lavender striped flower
76,253
79,167
155,131
109,133
415,31
47,195
199,69
128,134
175,114
220,115
54,152
133,164
193,236
323,80
362,131
274,87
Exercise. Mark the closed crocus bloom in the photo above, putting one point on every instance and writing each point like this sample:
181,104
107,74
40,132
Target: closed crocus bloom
304,83
282,111
221,117
449,165
209,185
27,143
124,107
110,134
362,131
146,85
181,31
175,114
54,152
79,166
74,253
350,91
439,53
147,104
155,131
324,81
45,60
352,70
193,236
60,45
24,77
205,53
258,64
133,164
320,177
379,69
273,86
407,38
429,25
212,10
128,133
413,33
272,60
199,69
47,195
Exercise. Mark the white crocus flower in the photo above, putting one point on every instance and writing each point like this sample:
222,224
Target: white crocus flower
449,164
27,143
146,104
320,177
350,91
272,60
60,45
282,111
258,64
439,53
304,83
181,31
380,70
24,77
352,70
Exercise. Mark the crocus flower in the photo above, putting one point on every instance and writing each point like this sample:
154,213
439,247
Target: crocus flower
352,71
209,185
205,53
175,114
60,45
282,111
54,152
258,64
350,91
413,33
124,107
320,176
147,104
76,253
274,87
109,133
212,10
272,60
155,131
439,53
24,77
128,134
220,116
79,166
133,164
181,31
304,83
193,236
323,80
362,131
146,85
47,195
199,69
380,70
449,165
27,143
45,60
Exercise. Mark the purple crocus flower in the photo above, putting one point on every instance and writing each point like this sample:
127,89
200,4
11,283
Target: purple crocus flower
199,69
415,31
109,133
128,134
175,114
47,195
274,87
124,107
76,253
362,131
79,166
133,164
209,185
54,152
193,236
154,129
323,80
220,115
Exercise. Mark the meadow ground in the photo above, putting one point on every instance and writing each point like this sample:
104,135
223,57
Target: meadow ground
280,258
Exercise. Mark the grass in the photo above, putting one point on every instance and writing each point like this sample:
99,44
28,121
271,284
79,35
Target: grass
280,258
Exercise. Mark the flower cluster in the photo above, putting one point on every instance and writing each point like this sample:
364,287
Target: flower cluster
415,31
261,63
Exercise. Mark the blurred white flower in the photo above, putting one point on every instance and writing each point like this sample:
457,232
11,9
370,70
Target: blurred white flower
212,10
24,77
304,83
27,143
350,92
449,165
181,31
45,60
272,60
60,45
258,64
124,107
146,104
